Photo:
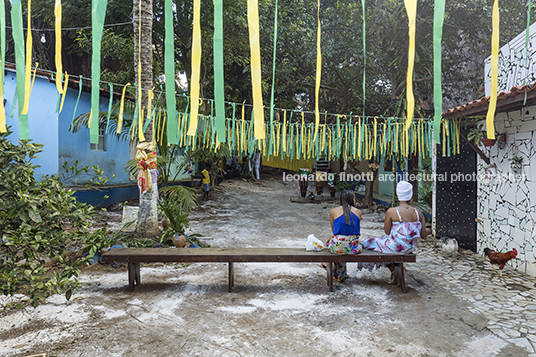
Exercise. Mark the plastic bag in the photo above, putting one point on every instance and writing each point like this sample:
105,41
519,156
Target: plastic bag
314,243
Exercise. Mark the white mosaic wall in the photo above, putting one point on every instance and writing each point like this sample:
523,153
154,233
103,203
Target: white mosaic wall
506,201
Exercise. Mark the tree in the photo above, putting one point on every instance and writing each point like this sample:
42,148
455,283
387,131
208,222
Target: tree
143,58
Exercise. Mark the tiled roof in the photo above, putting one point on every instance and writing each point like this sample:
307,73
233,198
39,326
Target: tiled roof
506,101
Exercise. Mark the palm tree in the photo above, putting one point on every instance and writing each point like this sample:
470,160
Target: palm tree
143,56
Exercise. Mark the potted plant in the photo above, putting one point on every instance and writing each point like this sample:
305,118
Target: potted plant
477,135
178,222
516,163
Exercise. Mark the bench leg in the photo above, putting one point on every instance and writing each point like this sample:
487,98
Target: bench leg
231,276
133,275
330,276
399,276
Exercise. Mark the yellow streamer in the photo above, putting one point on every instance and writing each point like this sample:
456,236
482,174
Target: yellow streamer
243,128
490,116
375,136
411,9
27,79
121,109
150,97
284,146
196,68
57,57
63,90
256,75
141,137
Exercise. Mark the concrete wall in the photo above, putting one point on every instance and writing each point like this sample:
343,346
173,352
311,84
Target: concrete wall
76,146
42,121
506,202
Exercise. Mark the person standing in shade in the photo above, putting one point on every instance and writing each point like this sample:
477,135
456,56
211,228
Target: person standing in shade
206,180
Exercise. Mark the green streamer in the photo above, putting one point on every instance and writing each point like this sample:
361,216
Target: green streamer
136,111
169,70
527,49
150,117
77,100
98,13
213,125
13,104
18,39
232,144
273,82
110,101
58,100
2,40
364,55
219,89
439,16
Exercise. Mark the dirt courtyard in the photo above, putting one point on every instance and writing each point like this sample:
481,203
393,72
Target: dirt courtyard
274,310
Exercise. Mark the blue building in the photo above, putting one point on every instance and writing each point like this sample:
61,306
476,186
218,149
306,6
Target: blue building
48,127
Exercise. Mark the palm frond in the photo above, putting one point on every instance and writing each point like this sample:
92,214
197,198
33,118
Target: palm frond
183,194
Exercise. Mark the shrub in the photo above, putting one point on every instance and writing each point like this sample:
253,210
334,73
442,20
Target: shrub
41,226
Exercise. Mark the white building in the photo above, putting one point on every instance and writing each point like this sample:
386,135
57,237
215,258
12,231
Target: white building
506,194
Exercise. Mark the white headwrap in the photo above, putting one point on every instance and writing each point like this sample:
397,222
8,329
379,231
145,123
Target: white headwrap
404,191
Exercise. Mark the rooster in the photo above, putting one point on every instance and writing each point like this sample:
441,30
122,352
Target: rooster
500,258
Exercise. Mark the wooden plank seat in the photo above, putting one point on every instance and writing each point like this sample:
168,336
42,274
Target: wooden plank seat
135,256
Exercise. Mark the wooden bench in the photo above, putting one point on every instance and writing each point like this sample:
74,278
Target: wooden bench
135,256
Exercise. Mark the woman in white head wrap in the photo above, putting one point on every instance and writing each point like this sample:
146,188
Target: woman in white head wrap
403,225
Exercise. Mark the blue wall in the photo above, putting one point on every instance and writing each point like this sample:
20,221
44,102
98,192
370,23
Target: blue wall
46,127
42,121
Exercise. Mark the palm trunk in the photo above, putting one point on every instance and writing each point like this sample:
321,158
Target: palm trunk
147,215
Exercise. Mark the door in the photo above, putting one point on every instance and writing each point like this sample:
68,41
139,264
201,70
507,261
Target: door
456,199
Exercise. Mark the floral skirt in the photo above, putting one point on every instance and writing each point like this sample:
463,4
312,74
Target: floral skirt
340,244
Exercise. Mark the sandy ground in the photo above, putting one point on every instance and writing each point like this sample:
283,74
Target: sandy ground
274,310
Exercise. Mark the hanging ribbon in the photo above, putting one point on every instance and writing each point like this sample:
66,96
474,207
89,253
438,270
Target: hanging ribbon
196,68
110,101
57,57
64,89
2,41
219,89
527,38
318,70
411,9
77,100
18,39
98,12
121,110
364,53
256,74
490,126
439,16
28,70
272,105
3,127
169,69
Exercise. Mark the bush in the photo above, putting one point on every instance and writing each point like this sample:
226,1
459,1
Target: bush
41,226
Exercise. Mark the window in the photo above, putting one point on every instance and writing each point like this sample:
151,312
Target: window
101,145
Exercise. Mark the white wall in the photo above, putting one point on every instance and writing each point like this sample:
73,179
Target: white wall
517,67
507,203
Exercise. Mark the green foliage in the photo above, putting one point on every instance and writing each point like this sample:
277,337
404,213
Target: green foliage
173,210
476,134
117,53
41,224
94,172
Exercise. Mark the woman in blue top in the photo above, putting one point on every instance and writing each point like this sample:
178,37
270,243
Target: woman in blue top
345,225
